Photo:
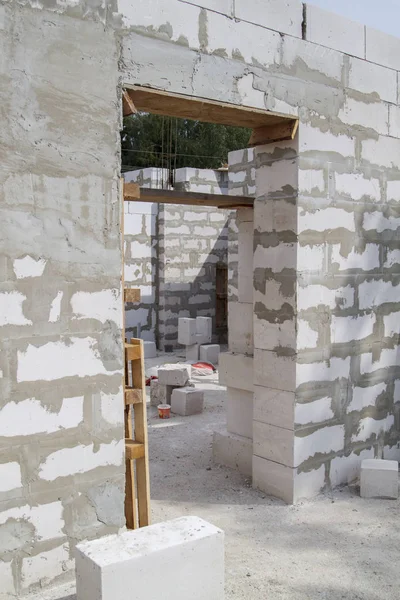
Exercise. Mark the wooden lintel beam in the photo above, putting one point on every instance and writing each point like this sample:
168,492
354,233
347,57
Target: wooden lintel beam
128,106
186,198
269,134
131,295
131,191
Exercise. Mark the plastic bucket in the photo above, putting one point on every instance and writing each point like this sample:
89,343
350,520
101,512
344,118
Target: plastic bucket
164,411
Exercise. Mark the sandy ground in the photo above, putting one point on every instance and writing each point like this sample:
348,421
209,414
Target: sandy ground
338,546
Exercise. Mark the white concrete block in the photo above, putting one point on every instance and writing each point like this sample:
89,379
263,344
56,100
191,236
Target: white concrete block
316,411
311,180
376,293
356,186
391,324
269,336
11,309
365,396
371,116
387,358
204,330
393,258
285,17
306,336
312,296
147,563
393,191
276,258
158,393
336,368
10,476
28,267
150,349
311,139
379,479
345,469
103,306
317,58
329,29
308,484
174,374
382,48
45,566
326,219
240,327
273,443
79,357
245,261
187,401
376,220
236,371
275,407
192,353
348,329
80,459
383,152
365,261
322,441
112,407
233,451
210,353
29,417
369,427
310,258
239,410
7,581
273,478
369,78
274,371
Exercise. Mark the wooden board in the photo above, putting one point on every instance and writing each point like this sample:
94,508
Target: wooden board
274,133
189,198
133,450
131,295
161,102
131,191
128,107
132,352
133,395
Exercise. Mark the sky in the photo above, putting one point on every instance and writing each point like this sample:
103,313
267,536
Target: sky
380,14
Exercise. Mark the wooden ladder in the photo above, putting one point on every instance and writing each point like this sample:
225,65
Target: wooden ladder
137,494
137,491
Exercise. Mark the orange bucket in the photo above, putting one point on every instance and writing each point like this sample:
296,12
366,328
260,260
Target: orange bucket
164,411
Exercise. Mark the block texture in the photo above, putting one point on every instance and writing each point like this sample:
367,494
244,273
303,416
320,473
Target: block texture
210,353
379,478
233,451
187,401
147,563
175,374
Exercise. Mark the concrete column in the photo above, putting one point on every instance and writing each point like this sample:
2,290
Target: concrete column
275,254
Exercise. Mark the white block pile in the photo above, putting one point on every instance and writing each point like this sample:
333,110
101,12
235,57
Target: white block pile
196,335
379,478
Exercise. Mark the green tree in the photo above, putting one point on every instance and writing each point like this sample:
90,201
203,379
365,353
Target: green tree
153,141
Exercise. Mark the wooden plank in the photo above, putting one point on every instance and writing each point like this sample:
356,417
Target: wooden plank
161,102
131,295
131,191
131,512
140,435
133,450
132,352
128,107
192,198
133,395
274,133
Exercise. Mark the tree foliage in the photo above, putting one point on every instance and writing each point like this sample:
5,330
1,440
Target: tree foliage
153,141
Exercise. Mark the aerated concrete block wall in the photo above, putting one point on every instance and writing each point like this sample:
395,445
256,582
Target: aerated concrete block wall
61,406
341,80
171,253
61,360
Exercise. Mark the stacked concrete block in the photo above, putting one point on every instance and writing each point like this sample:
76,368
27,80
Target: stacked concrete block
158,393
171,377
379,479
210,353
196,335
187,401
123,565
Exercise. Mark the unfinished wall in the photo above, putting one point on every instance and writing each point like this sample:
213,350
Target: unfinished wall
61,406
341,80
171,254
